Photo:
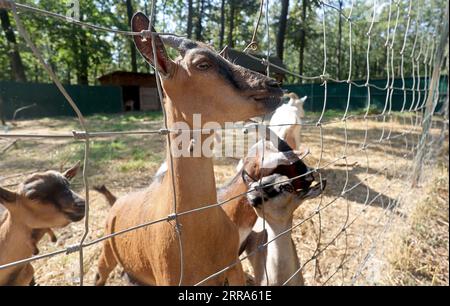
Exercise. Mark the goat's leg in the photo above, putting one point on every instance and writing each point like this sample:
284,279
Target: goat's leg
236,275
106,264
257,256
52,235
34,248
24,277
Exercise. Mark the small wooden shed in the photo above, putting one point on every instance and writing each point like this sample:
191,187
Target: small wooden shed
139,92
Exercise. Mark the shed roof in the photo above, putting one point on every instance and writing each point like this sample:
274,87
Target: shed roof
242,59
125,78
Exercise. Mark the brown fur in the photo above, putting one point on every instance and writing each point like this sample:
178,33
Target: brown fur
107,194
38,234
42,201
238,210
210,240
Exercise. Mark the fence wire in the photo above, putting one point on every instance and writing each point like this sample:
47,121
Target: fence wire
424,55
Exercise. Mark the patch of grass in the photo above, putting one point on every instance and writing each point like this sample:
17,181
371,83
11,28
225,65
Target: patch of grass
134,165
106,122
421,256
123,122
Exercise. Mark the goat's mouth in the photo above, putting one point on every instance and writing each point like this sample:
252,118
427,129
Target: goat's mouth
317,185
271,100
75,216
260,197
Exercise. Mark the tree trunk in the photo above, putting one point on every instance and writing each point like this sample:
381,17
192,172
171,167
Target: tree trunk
339,57
199,26
282,28
231,23
303,37
82,56
132,47
222,25
82,69
17,68
189,18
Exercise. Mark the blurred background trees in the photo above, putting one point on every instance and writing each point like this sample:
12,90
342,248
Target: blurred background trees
81,55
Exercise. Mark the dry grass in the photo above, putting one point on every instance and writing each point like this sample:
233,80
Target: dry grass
421,255
374,182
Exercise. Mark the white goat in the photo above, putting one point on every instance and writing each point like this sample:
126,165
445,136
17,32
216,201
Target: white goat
286,120
276,202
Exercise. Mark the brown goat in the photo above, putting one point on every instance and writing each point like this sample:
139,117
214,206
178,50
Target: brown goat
285,162
36,236
199,81
239,209
43,201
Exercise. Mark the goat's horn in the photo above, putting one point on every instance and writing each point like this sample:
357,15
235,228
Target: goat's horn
172,41
179,43
302,154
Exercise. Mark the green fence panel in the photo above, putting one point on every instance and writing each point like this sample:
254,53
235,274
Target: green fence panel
337,95
50,102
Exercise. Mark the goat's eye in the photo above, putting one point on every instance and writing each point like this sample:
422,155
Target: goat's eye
203,66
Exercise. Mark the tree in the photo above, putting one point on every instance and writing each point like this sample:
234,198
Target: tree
282,28
231,18
190,18
198,25
16,64
302,41
132,47
339,39
222,24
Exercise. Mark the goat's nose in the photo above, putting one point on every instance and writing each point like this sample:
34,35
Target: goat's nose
271,83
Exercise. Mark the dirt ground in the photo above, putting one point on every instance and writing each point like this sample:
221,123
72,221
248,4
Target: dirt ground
359,208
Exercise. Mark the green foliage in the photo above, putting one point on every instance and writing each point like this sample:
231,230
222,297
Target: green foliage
81,55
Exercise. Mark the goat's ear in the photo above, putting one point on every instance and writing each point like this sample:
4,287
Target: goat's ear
73,171
164,64
301,102
273,160
247,178
7,197
302,152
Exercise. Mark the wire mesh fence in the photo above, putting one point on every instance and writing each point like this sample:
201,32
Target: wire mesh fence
370,160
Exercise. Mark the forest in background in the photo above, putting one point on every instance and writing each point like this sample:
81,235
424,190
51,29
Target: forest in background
80,56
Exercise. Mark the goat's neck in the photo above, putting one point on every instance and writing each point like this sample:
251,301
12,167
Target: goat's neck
194,176
15,233
281,255
238,209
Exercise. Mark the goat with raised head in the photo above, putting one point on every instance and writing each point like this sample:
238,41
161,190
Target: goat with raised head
287,119
43,201
279,159
199,81
275,198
